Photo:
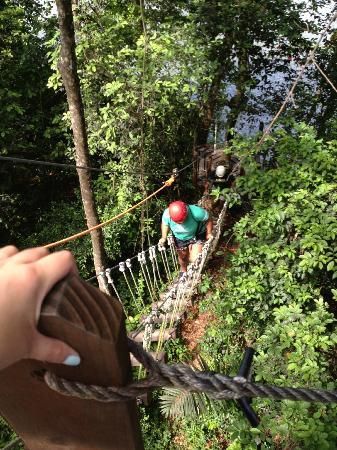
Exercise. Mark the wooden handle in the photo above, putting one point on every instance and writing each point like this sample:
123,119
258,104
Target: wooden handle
93,324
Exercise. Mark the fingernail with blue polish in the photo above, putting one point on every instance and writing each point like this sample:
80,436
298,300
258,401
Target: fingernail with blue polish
72,360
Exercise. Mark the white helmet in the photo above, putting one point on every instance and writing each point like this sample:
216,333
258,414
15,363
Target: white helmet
220,171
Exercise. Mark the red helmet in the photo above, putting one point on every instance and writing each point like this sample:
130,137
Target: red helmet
178,211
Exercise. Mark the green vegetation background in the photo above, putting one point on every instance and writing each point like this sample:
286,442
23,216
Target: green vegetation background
150,94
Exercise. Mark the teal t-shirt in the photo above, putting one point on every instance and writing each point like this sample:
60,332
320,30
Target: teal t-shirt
195,222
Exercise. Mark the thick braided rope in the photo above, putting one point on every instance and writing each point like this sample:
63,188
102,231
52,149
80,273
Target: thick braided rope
215,385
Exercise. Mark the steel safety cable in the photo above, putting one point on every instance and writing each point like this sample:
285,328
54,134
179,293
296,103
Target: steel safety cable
111,281
129,266
156,264
290,93
37,162
298,78
161,249
324,75
167,263
152,258
142,263
122,268
173,251
149,278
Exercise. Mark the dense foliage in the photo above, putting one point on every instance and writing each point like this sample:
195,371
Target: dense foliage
157,78
279,295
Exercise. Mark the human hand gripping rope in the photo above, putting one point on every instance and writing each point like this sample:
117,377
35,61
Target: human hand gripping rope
218,386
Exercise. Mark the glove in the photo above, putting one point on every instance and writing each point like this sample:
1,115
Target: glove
162,241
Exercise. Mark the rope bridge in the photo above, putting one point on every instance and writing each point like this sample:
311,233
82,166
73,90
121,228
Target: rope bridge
156,265
175,300
169,311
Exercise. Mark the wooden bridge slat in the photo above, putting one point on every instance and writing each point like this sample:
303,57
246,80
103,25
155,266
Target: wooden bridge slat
169,333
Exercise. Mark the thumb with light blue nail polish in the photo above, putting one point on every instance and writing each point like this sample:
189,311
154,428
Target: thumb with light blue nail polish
72,360
52,350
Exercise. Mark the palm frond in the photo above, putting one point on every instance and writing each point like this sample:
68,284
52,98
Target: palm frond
175,402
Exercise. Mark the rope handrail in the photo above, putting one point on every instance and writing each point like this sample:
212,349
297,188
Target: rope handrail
217,386
166,184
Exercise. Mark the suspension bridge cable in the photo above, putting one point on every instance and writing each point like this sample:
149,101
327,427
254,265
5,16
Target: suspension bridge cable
113,268
190,164
290,93
324,75
51,164
166,184
309,59
69,166
38,162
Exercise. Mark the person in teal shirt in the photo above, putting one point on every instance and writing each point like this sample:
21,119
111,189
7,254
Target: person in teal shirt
191,226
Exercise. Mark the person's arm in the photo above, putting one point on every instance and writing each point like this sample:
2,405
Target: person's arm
25,279
202,215
209,228
164,232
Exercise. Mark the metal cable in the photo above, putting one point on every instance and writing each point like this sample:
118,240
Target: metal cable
122,269
156,264
161,249
129,266
38,162
142,263
111,281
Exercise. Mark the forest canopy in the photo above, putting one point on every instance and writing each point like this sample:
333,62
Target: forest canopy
159,79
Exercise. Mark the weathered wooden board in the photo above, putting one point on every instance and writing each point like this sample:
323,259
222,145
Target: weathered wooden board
93,324
169,333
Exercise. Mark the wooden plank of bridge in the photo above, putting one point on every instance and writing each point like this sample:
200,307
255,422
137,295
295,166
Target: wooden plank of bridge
93,324
163,317
169,333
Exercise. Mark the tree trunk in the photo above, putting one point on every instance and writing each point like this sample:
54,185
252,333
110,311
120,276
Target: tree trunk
68,69
240,99
208,109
